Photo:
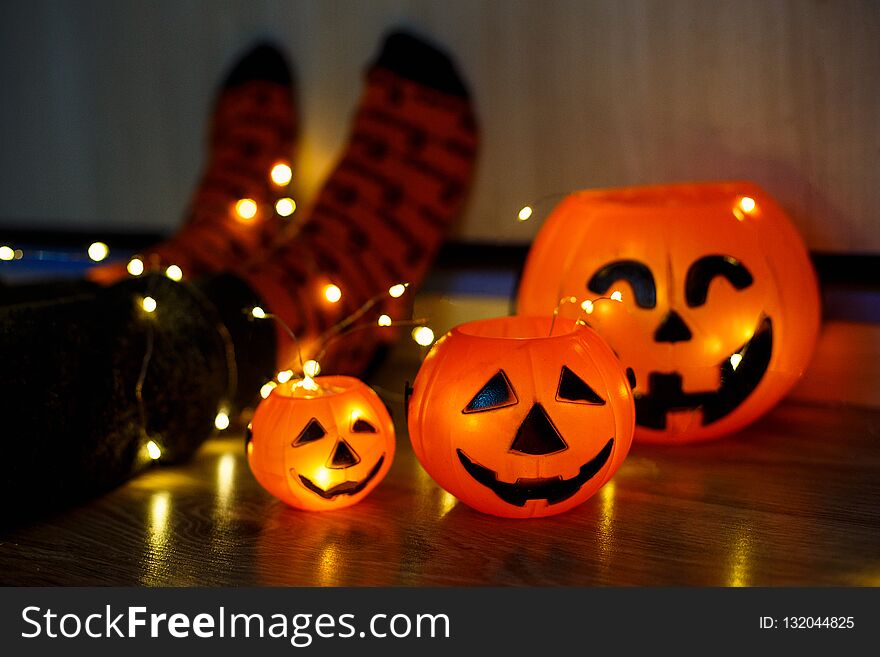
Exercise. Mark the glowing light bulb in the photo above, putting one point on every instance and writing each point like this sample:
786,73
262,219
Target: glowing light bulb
525,213
587,306
332,293
222,420
98,251
285,206
311,368
6,253
149,304
246,209
735,360
267,389
174,272
258,312
616,295
397,291
747,203
423,335
281,174
384,320
309,384
284,376
135,267
153,450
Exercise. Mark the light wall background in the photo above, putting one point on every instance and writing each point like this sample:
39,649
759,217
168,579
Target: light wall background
103,104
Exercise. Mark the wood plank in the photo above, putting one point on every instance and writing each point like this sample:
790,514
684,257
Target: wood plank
793,500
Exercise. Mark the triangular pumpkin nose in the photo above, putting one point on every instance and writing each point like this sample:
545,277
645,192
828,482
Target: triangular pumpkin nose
537,435
343,456
672,329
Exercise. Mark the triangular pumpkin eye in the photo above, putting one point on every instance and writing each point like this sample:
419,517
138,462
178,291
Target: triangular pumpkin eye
573,388
362,426
497,393
313,431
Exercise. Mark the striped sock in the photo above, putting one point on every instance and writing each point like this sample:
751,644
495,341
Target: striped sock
385,208
231,219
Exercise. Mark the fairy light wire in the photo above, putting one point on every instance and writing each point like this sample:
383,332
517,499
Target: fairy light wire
366,325
537,204
222,331
339,329
142,375
614,296
275,318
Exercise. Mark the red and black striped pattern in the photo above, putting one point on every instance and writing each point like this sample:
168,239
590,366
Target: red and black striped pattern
253,127
378,220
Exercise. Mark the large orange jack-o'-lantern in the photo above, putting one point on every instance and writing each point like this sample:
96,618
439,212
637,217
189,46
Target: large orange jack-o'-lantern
517,422
720,307
322,443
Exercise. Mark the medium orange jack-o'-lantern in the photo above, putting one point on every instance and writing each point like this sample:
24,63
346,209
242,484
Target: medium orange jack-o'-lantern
517,422
720,307
322,443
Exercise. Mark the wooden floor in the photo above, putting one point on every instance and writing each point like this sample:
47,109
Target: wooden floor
793,500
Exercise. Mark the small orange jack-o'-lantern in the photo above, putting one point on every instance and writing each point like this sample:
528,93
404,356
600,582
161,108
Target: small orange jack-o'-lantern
720,307
322,443
517,422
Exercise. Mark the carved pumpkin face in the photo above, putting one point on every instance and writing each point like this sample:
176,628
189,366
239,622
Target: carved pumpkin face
321,449
516,423
720,307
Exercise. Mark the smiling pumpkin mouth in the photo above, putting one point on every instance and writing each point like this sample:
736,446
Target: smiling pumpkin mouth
553,489
741,373
346,487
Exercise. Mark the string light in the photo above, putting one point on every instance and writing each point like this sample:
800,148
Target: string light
174,272
311,368
285,206
246,209
616,296
149,304
332,293
745,205
525,213
735,360
6,253
135,267
222,420
154,450
396,291
423,335
587,306
267,389
281,174
307,383
98,251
